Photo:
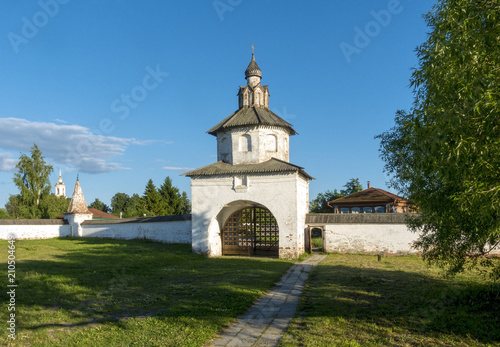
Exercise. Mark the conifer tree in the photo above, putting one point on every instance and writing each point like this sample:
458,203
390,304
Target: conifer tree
171,197
152,199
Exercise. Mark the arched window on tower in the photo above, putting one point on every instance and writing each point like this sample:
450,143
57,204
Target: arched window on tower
258,97
245,143
271,143
246,98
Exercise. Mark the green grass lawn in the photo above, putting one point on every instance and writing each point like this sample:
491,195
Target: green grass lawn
88,292
354,300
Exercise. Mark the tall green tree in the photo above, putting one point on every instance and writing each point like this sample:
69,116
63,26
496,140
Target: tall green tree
444,153
4,214
119,203
101,206
14,207
135,207
55,206
352,186
320,204
172,198
186,204
152,200
32,180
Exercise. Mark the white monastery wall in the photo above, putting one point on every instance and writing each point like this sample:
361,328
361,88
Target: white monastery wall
170,229
220,197
25,229
127,229
369,239
365,233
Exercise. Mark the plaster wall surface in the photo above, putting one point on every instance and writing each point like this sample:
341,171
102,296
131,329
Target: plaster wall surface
169,232
76,220
252,145
214,199
33,229
394,239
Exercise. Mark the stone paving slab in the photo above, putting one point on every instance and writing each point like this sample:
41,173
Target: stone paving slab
267,320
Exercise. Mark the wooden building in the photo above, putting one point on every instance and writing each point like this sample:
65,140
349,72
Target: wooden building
371,200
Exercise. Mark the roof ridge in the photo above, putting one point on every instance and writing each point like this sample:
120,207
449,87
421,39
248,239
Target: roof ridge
259,119
389,194
286,162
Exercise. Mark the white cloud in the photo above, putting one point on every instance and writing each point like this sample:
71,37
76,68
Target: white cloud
7,163
149,142
71,145
174,168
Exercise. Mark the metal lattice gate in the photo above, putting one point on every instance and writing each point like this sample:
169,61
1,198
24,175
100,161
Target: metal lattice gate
251,231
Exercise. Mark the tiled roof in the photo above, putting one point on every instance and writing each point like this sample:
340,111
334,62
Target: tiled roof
252,116
271,166
367,196
100,214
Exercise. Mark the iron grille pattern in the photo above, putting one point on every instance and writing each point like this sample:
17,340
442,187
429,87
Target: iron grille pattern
252,230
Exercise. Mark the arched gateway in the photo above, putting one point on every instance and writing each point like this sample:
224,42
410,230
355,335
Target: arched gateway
250,231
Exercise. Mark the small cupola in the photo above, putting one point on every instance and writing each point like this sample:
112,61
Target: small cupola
253,73
253,94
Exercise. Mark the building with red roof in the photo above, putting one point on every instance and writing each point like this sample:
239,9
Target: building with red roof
371,200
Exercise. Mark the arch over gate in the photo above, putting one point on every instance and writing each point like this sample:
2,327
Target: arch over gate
251,231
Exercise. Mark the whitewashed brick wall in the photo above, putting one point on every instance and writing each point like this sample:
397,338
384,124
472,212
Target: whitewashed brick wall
33,228
171,229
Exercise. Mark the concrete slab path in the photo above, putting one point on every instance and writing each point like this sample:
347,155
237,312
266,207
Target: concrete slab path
267,320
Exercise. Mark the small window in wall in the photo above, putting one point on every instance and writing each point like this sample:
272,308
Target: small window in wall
344,210
224,149
245,143
240,183
271,143
379,209
355,210
367,210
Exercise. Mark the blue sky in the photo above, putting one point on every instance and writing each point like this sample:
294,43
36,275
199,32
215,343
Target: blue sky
121,92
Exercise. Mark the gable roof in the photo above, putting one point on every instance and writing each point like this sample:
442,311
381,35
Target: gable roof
250,88
252,116
370,195
272,165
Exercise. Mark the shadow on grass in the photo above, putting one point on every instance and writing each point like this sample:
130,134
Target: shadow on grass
70,282
374,301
